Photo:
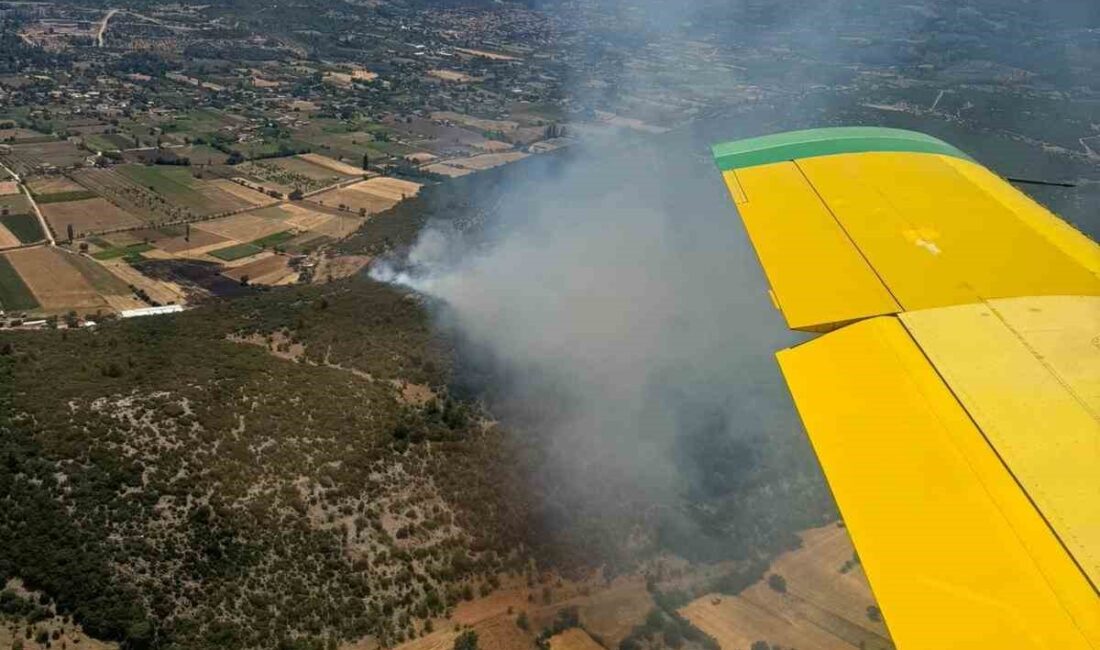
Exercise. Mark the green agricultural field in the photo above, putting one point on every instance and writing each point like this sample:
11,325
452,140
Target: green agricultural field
350,145
236,252
61,197
14,294
24,226
121,251
103,280
174,183
107,142
273,239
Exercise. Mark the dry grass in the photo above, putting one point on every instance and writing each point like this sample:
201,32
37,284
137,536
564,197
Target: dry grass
391,188
354,200
56,284
444,169
373,195
488,160
302,218
87,216
573,639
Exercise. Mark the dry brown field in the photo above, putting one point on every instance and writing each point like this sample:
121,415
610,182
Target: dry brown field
7,239
573,639
821,609
57,285
17,134
488,160
332,164
158,290
354,200
53,185
612,613
443,169
302,218
69,639
342,266
218,199
450,75
391,188
198,239
338,226
247,194
266,270
488,55
243,227
476,122
8,187
87,216
494,146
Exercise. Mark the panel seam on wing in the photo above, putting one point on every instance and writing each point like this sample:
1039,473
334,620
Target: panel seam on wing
1004,464
848,236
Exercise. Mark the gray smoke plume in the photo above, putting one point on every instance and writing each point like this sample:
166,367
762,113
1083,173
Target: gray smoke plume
625,318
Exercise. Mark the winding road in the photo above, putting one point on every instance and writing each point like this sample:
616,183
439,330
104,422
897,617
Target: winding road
103,27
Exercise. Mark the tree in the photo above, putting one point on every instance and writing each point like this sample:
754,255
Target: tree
366,161
466,641
777,582
296,194
69,231
187,232
760,645
522,622
235,157
874,613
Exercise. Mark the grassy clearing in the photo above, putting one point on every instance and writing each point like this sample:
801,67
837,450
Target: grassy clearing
24,226
236,252
122,251
14,294
61,197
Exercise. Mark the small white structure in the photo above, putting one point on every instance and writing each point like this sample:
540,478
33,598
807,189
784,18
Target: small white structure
151,311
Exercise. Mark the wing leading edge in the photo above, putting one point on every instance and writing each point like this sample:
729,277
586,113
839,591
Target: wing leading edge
955,401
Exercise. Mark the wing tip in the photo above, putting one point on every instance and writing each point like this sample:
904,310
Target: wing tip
808,143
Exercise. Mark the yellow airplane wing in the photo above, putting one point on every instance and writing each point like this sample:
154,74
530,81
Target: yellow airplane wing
954,398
